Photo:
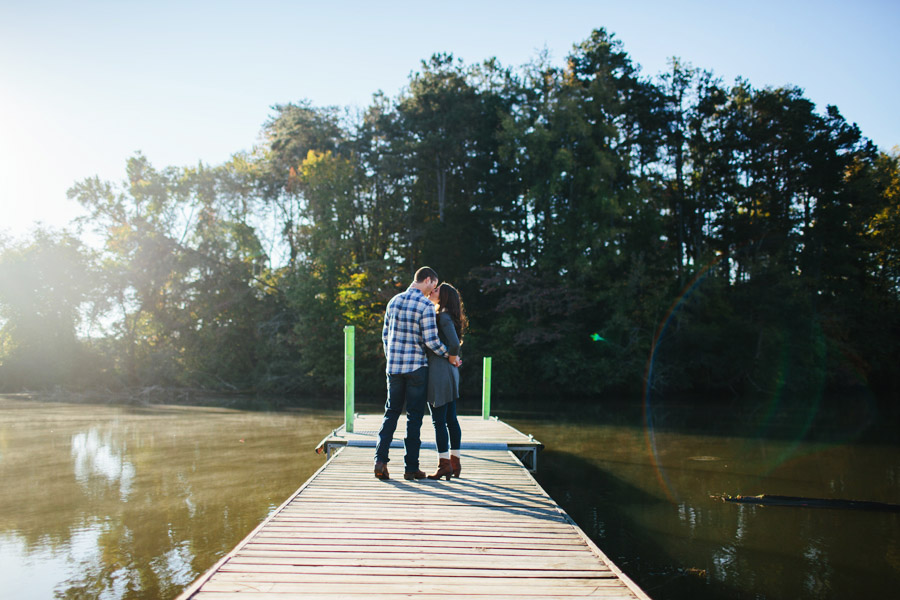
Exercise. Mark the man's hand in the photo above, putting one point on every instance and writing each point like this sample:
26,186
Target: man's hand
455,361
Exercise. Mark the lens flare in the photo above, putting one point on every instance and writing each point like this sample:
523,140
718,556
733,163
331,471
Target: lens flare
799,361
649,430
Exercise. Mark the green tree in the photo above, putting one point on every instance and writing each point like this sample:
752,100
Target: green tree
180,268
596,220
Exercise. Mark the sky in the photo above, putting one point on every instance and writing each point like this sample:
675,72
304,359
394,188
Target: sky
85,85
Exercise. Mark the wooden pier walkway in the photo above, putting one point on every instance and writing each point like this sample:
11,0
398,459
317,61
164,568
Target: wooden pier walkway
478,434
493,533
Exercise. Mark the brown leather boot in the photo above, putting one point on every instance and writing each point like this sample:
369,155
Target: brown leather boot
414,475
444,470
381,471
454,463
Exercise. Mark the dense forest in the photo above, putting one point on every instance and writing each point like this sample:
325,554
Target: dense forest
611,232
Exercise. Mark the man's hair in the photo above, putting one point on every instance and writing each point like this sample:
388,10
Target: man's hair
425,273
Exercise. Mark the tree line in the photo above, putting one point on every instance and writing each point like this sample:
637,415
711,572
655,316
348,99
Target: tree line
610,232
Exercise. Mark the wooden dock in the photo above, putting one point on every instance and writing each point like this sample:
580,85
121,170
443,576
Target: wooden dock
492,533
478,434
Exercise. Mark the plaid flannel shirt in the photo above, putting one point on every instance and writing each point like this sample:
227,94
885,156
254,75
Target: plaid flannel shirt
409,326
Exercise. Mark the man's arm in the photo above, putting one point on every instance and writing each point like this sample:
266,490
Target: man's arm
430,333
385,329
445,323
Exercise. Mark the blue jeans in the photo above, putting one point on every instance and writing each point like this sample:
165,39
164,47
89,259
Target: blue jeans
410,389
446,427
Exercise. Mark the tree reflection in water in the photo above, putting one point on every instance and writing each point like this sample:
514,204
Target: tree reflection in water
677,542
106,502
136,502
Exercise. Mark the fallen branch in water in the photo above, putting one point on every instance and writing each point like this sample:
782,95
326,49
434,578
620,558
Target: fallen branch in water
768,500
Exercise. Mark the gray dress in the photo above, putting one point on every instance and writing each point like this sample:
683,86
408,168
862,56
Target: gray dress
443,378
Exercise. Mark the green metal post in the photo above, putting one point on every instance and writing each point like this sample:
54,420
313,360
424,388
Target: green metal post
349,361
486,390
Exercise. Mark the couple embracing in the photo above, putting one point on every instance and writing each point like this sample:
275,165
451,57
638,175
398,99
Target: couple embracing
423,329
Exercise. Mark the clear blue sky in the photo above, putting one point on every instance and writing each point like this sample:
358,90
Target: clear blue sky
84,85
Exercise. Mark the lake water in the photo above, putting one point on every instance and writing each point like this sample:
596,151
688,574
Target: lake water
135,502
644,495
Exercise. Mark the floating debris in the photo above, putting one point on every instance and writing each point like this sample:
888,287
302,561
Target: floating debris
797,501
695,572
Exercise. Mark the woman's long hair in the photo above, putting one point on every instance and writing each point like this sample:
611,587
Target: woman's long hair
450,302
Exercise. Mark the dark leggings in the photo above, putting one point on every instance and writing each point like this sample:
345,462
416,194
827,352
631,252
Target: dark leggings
446,427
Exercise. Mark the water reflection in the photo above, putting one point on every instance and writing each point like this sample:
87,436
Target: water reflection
136,502
107,502
34,570
677,542
94,456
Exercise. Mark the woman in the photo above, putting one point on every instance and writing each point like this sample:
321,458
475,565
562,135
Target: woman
443,380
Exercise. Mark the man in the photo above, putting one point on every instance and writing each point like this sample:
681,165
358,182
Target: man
409,326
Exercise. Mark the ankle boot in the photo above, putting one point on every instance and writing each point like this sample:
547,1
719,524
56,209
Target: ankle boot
444,470
454,463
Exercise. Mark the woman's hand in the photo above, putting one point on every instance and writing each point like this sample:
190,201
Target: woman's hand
455,361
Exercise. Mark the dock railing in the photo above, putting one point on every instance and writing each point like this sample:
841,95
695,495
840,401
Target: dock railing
349,377
486,389
350,381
